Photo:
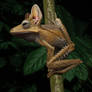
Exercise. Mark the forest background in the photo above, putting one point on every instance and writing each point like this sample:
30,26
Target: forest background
22,68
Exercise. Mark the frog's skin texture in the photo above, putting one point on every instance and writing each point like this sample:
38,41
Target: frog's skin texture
53,36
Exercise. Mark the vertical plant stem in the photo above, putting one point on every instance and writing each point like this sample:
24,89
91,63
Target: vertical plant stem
56,81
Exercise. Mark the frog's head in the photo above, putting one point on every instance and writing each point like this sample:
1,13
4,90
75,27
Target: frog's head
30,25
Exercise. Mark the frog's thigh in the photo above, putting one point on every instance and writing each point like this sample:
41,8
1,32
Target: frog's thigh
62,64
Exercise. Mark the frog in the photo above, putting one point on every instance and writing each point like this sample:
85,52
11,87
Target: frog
52,36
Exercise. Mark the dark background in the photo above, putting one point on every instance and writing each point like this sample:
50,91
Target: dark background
17,74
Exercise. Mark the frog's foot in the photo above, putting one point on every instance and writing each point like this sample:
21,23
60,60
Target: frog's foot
58,22
62,66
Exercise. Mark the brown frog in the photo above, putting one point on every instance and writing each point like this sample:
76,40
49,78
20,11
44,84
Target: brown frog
53,36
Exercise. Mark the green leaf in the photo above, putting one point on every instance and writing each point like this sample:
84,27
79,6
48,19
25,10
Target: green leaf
12,44
69,75
73,55
5,45
35,61
81,72
84,50
2,62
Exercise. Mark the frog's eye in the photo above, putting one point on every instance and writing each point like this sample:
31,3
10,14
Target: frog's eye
25,24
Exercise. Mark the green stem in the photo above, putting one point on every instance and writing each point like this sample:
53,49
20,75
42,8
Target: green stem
49,10
56,81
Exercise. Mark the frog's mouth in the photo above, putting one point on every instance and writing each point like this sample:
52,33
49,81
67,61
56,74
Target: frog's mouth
27,35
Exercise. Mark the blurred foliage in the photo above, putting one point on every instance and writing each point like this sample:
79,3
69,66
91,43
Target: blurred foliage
22,64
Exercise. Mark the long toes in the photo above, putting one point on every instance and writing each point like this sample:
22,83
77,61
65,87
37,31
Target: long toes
50,74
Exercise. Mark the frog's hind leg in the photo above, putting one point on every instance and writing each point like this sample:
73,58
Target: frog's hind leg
59,23
63,63
50,48
62,66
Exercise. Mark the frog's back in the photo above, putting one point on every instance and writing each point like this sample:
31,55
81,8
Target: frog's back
53,29
53,35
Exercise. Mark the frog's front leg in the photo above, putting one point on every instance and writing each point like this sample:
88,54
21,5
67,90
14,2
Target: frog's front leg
50,48
67,49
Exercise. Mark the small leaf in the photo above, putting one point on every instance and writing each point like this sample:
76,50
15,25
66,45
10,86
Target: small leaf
4,45
35,61
69,75
81,72
12,44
